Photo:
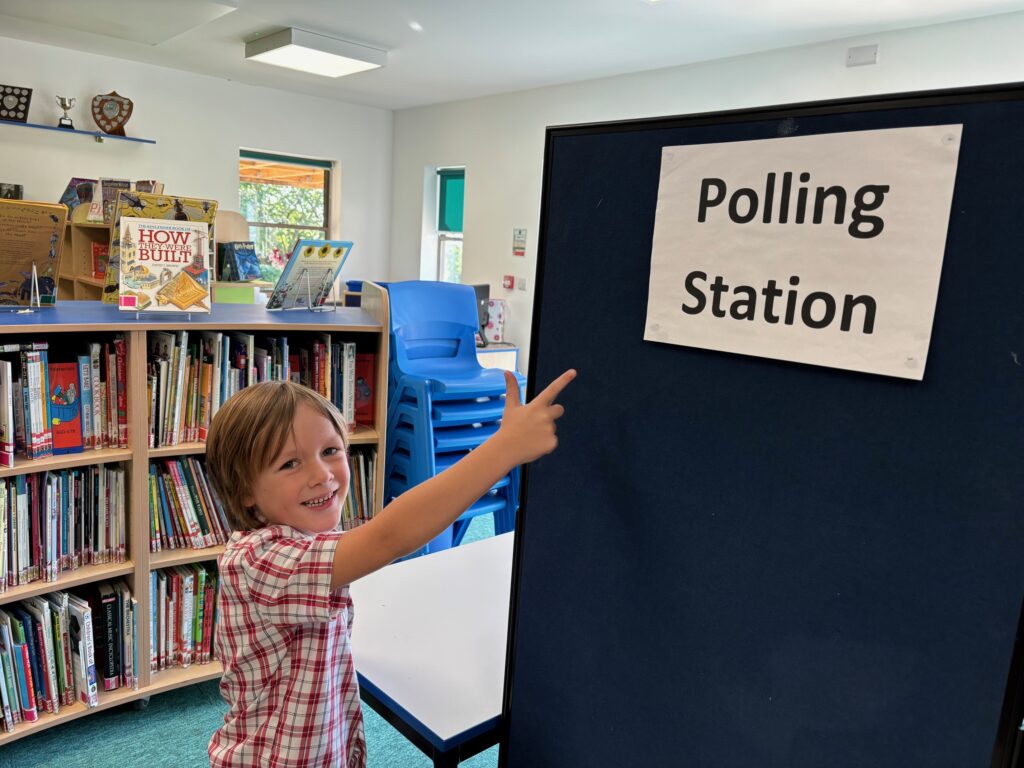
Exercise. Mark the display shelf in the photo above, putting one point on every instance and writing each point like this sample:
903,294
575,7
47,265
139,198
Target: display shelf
170,557
167,680
182,449
68,579
98,136
23,466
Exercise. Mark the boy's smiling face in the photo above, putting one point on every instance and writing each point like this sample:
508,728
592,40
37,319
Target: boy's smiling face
306,483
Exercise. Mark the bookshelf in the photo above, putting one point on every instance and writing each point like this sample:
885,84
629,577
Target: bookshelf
76,281
71,321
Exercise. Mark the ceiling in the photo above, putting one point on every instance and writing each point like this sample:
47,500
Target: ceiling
464,48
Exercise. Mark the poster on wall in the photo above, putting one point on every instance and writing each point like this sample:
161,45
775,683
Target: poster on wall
823,249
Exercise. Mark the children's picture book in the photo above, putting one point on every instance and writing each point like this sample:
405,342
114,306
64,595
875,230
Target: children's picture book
165,265
238,261
77,191
310,274
30,234
100,253
145,205
65,408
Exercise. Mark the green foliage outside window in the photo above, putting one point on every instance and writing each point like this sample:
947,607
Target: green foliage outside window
280,204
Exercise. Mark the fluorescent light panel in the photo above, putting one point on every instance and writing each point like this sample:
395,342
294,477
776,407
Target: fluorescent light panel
318,54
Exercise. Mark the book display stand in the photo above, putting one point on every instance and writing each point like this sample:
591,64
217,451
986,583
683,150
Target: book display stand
329,305
72,324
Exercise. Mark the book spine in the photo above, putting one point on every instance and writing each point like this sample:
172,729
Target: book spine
349,384
189,514
29,711
153,623
44,402
121,371
196,504
97,396
85,390
92,697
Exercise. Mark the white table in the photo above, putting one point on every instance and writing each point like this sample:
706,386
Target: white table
429,640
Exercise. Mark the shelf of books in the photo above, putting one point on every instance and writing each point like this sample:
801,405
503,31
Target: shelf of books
109,528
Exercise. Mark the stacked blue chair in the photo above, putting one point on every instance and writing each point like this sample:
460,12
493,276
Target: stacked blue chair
441,403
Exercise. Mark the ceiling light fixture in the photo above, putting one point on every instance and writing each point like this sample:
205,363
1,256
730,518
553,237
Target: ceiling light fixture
315,53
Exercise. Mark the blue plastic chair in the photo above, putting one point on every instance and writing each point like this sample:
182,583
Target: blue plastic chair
433,341
441,402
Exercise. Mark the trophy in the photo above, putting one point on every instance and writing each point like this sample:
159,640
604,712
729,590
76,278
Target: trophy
65,103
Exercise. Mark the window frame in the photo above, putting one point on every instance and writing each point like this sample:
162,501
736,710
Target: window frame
302,162
444,176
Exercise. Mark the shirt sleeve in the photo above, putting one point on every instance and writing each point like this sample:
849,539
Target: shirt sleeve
289,579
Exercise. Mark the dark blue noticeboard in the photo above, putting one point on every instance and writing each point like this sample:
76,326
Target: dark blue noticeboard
742,562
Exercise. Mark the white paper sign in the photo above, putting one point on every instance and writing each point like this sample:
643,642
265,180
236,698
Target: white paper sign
821,249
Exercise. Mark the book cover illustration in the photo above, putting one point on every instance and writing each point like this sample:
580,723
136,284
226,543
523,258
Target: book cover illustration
238,261
310,274
30,234
165,265
77,191
145,205
100,252
65,408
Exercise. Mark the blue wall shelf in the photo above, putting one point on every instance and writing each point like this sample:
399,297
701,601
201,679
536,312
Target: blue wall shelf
99,136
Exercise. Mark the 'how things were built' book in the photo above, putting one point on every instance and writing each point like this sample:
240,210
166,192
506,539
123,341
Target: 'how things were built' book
165,265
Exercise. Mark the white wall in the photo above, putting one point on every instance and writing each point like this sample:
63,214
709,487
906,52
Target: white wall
199,123
500,140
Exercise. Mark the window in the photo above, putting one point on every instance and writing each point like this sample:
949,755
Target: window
451,186
283,199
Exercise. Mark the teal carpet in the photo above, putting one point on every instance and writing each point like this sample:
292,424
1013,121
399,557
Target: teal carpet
176,727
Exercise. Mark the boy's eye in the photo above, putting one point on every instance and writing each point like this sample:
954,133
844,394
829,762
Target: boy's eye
332,451
290,464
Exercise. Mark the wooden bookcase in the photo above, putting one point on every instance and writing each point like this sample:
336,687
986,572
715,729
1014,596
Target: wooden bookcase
75,280
367,324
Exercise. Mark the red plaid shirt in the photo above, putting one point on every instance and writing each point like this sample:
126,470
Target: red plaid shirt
283,637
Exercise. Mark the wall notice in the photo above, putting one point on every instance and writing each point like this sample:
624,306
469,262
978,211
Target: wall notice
822,249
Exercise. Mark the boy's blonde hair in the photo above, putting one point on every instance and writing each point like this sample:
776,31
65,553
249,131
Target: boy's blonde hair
248,432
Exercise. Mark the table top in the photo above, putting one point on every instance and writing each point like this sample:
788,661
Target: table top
429,638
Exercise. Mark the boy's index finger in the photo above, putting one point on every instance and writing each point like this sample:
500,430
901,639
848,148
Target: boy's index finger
554,389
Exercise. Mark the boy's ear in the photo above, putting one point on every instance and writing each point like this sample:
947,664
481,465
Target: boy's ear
248,501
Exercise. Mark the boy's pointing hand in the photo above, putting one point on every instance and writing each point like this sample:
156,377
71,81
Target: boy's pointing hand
530,429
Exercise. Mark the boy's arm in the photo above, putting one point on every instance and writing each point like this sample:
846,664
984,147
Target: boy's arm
421,513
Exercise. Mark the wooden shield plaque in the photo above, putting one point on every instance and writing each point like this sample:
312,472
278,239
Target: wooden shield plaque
111,111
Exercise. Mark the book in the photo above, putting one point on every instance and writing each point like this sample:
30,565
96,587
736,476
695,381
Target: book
309,275
348,372
77,191
145,205
366,365
13,634
10,191
65,408
100,253
165,265
109,190
103,601
31,240
7,423
85,394
149,185
80,629
238,261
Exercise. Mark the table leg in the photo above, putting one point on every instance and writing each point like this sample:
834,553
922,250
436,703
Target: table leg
446,759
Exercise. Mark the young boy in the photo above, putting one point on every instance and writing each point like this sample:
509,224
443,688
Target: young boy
276,454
